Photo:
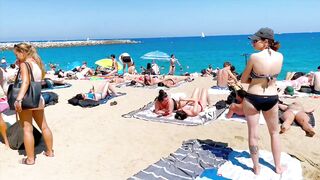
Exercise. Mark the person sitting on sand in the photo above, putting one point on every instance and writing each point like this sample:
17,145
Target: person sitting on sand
164,105
149,70
295,111
237,108
3,126
225,76
192,106
99,93
114,66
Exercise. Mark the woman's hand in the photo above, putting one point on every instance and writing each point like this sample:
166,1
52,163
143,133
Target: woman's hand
17,105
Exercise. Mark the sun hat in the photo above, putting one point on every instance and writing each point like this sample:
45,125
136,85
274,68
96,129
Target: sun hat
289,90
265,33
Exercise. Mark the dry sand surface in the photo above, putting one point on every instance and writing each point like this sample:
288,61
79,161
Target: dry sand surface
97,143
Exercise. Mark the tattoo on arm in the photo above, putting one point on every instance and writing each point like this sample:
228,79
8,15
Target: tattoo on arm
253,149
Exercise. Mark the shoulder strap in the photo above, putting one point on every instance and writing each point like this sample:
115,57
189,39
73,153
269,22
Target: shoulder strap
29,71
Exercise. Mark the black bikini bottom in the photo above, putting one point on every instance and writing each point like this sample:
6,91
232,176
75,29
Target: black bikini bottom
263,103
175,105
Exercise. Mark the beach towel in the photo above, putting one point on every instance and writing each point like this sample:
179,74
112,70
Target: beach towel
138,85
146,113
242,119
218,90
87,103
187,162
57,86
239,166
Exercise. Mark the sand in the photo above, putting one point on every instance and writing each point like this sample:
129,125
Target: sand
97,143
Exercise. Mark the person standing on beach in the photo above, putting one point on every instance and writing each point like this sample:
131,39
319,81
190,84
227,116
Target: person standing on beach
26,53
260,73
172,67
126,60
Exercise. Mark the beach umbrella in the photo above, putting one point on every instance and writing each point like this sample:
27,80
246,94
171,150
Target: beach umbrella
156,55
107,63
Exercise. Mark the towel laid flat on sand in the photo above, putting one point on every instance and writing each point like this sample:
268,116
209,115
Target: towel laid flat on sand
56,86
218,90
188,162
146,113
242,119
138,85
239,166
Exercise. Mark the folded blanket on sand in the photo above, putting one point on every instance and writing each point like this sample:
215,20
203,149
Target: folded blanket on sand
262,120
188,161
57,86
146,113
239,167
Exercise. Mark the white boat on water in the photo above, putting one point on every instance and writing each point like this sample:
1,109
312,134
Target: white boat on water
202,35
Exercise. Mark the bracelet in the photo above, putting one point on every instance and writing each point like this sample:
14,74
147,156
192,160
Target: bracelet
19,101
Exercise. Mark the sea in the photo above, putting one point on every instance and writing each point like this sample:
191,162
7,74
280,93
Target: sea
301,52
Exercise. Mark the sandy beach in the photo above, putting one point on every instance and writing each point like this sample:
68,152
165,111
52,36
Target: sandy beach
97,143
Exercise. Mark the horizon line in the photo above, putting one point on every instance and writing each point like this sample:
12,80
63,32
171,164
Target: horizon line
155,37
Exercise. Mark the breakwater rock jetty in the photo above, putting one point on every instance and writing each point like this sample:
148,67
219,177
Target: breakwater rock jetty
50,44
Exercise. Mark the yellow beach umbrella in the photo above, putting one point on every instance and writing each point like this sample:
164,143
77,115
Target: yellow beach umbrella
107,63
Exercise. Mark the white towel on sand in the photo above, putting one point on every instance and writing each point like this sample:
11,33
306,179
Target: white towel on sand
239,167
241,119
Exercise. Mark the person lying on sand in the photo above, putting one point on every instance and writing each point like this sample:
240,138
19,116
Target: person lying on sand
164,105
295,111
237,108
192,106
101,92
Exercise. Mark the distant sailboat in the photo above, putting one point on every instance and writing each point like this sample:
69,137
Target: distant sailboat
202,35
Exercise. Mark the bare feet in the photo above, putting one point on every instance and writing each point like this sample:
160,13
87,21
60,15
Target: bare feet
283,129
256,170
310,132
281,169
49,153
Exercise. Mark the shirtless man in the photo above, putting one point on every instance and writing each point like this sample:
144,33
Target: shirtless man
315,83
224,76
295,111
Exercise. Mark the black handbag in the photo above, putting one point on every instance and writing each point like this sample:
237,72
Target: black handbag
32,97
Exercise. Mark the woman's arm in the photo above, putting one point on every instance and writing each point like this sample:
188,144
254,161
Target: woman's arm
246,73
157,109
25,78
282,107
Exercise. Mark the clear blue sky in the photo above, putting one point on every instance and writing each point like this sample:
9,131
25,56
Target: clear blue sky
79,19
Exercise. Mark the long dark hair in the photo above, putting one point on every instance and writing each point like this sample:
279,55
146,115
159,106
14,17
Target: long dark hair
162,95
181,115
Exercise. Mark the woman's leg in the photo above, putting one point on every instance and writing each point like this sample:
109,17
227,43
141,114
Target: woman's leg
303,120
252,116
40,119
3,131
288,118
272,118
28,139
204,97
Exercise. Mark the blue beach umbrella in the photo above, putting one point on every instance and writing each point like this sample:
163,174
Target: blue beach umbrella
156,55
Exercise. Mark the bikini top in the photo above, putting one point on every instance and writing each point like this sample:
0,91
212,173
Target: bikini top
268,77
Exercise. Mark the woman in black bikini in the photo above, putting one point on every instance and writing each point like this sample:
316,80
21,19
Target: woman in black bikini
260,72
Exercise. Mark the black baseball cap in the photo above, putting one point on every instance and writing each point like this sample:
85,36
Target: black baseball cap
263,33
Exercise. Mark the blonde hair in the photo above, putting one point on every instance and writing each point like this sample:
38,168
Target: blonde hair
32,53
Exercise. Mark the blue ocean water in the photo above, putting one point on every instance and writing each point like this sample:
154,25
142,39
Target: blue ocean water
301,52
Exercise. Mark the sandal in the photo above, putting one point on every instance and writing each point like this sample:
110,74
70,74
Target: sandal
46,154
25,161
113,103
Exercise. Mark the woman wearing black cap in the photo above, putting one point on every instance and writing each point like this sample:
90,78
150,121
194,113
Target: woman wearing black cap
261,71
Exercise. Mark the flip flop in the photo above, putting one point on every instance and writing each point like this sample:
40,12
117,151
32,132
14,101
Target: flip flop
113,103
46,154
25,161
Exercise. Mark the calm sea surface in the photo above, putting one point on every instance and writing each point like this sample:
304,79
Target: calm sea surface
301,52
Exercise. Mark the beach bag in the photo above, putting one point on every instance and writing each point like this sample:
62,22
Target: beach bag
305,89
50,98
3,104
32,97
15,136
221,104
